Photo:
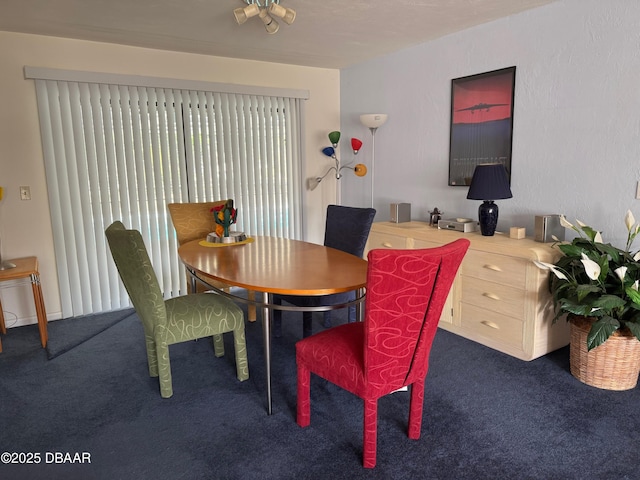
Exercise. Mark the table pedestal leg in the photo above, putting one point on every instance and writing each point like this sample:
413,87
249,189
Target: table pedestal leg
360,306
194,284
266,332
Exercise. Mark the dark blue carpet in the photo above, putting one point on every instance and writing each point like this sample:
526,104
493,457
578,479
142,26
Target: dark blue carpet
68,334
487,416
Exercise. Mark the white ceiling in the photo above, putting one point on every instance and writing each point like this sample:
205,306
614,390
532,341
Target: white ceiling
326,33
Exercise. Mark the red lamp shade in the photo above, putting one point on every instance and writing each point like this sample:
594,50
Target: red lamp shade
356,145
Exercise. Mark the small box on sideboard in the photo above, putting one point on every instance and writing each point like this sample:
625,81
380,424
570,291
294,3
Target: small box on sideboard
400,212
517,233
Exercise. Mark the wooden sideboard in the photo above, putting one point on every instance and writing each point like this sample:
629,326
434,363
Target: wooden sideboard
499,298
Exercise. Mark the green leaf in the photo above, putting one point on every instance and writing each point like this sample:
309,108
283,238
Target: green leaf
577,308
635,328
589,232
603,261
610,250
634,295
600,331
570,250
608,302
582,291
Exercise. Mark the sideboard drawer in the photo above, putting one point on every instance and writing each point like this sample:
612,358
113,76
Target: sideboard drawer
385,240
495,297
495,268
492,325
418,243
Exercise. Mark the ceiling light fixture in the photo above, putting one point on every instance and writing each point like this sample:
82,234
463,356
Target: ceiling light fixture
266,10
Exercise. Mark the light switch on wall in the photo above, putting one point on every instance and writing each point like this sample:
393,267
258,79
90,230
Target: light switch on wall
25,193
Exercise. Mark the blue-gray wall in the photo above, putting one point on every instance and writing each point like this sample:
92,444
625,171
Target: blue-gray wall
576,136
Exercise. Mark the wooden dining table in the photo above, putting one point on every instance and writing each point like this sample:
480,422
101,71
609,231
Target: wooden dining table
273,265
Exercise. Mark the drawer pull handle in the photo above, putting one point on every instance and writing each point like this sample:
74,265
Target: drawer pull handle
495,268
492,296
386,245
490,324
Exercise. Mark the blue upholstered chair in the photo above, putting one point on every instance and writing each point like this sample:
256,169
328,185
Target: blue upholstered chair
178,319
347,229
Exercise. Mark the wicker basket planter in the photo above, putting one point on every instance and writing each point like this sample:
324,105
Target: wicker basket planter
614,365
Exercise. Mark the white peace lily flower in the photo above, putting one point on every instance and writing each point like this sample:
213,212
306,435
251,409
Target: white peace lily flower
544,265
629,220
581,224
636,257
598,238
621,272
549,266
590,267
564,222
635,285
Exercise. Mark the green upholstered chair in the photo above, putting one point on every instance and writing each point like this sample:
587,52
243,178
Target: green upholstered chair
175,320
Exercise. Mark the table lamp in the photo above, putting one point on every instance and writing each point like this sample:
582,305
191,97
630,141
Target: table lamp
490,182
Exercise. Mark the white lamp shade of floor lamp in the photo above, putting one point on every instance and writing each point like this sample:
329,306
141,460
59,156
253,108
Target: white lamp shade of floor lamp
373,121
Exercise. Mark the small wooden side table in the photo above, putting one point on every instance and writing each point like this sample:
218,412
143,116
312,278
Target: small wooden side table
27,267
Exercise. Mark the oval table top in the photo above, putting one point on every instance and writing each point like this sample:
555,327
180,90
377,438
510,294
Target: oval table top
278,265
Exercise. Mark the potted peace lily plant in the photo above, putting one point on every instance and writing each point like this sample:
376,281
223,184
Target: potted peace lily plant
595,285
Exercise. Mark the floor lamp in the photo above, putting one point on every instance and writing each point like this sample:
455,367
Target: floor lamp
3,265
373,121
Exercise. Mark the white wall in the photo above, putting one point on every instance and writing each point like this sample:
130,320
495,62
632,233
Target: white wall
576,138
25,225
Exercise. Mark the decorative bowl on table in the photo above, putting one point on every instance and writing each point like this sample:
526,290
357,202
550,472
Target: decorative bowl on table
234,237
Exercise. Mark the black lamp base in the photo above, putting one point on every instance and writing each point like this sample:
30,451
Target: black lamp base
488,217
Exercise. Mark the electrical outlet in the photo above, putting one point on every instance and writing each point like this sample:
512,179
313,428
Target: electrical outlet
25,193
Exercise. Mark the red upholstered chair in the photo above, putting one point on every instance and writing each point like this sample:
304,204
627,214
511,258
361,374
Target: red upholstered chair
406,291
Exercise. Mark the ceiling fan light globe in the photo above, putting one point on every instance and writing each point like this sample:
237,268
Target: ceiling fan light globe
243,14
269,23
288,15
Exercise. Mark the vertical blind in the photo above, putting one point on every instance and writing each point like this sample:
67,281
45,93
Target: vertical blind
120,152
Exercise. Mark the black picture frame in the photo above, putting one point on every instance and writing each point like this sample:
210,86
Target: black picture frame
481,123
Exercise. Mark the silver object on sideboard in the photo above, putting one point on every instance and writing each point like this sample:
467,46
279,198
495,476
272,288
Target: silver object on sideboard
547,227
400,212
464,225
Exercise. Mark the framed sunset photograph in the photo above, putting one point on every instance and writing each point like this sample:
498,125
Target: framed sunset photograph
481,123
